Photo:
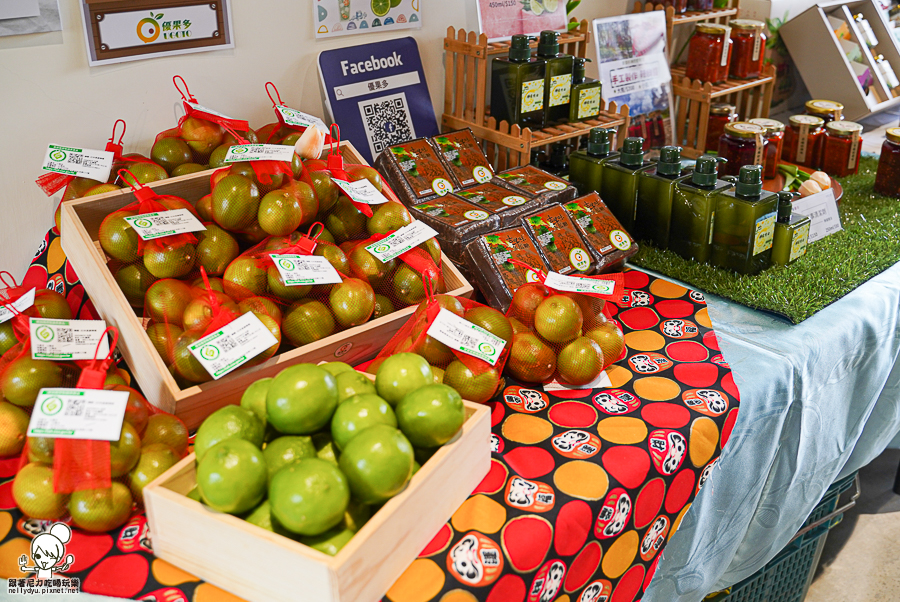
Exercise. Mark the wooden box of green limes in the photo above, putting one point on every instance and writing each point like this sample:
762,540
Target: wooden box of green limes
80,224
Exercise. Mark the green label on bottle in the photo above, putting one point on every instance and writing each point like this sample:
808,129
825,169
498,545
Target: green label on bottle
560,89
589,103
764,233
798,245
533,96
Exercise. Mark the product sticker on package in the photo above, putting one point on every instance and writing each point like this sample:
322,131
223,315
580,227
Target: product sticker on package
259,152
233,345
165,223
460,334
78,162
302,270
78,414
362,191
345,17
401,241
67,339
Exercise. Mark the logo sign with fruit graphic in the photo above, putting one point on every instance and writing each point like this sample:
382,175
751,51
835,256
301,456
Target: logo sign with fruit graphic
476,215
45,334
654,538
575,444
706,401
528,401
554,185
482,174
547,582
614,514
620,240
667,450
210,352
58,155
532,496
649,363
476,560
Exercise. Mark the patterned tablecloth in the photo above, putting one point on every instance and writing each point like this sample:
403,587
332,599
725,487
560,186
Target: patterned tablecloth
585,487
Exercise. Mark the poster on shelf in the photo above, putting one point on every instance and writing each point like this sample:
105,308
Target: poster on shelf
634,69
502,19
345,17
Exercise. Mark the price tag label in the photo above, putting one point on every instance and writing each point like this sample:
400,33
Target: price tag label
79,162
67,339
362,191
20,305
233,345
164,223
78,414
460,334
299,118
259,152
202,109
300,270
822,211
724,58
576,284
401,241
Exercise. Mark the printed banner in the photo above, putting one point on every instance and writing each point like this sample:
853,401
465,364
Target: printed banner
502,19
344,17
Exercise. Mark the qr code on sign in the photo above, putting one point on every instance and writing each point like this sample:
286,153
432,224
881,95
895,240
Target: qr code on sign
387,121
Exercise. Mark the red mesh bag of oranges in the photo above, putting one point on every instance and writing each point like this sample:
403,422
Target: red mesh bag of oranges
290,127
561,330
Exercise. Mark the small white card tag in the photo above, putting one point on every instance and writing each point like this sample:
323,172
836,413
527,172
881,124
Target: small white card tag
20,305
299,118
67,339
78,414
821,209
79,162
401,241
202,109
164,223
460,334
362,191
601,382
259,152
575,284
301,270
233,345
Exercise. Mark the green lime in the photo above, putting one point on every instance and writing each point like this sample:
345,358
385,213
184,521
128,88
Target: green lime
101,510
301,399
378,463
325,447
230,422
287,450
254,398
381,7
309,497
431,416
357,414
194,494
336,367
232,476
331,541
401,374
353,383
357,515
261,516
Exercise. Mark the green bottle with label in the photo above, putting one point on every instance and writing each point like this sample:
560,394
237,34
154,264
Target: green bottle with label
791,232
586,94
694,210
558,82
618,185
656,192
585,166
745,224
517,86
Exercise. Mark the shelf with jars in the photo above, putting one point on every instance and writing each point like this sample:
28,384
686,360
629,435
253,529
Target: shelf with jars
692,11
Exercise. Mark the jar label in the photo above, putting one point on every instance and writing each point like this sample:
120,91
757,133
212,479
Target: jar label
798,245
764,234
560,89
589,103
725,46
533,96
760,149
802,143
757,44
854,150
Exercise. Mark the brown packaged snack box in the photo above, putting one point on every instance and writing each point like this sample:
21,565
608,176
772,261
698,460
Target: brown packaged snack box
602,231
457,222
560,242
487,259
415,172
538,182
510,204
462,156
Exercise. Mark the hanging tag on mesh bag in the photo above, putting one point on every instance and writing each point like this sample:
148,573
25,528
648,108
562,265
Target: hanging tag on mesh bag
78,162
92,414
302,270
150,226
610,287
259,152
402,240
289,116
461,335
361,191
18,306
233,345
67,339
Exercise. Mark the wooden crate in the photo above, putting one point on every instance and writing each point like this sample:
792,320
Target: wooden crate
262,566
80,223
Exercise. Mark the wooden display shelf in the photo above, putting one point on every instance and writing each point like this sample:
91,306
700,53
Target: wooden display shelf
571,42
716,15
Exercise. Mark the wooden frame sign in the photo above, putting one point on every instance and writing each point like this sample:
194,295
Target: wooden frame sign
130,30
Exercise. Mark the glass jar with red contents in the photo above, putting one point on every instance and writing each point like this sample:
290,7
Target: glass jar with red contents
803,140
720,114
887,178
700,5
828,110
840,153
742,143
680,6
775,138
709,53
749,48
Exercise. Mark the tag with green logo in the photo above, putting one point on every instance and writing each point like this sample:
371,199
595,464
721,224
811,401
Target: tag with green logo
233,345
20,305
67,339
401,241
362,191
299,118
79,162
301,270
164,223
78,414
576,284
259,152
460,334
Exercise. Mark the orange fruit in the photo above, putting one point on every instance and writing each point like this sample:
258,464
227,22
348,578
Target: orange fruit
530,359
558,319
525,302
580,362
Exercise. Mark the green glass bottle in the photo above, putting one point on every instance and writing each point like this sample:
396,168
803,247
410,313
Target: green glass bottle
656,192
585,166
558,82
517,86
558,162
586,94
745,224
618,185
694,210
791,232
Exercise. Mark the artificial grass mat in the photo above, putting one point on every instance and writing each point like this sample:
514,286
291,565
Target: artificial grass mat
831,268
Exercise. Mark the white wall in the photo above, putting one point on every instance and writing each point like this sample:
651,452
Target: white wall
48,94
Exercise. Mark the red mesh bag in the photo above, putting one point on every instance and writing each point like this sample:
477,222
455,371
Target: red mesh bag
280,131
561,334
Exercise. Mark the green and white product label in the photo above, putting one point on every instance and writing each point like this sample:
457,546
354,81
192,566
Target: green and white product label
233,345
798,245
259,152
514,200
92,414
553,185
461,335
164,223
533,96
482,174
764,233
589,103
67,339
476,215
578,284
361,191
620,240
299,118
441,186
303,270
20,305
78,162
560,89
579,259
401,241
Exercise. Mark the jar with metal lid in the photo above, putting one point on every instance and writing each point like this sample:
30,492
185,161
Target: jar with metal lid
840,154
803,140
887,178
720,114
749,48
826,109
775,138
709,54
742,143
